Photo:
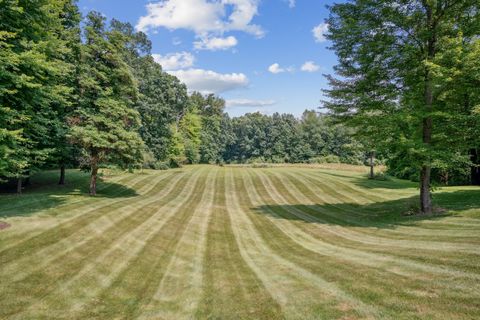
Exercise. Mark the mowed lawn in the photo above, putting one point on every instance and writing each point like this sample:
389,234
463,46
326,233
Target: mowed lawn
207,242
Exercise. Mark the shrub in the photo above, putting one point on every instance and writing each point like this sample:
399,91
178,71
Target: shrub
159,165
175,163
382,176
261,165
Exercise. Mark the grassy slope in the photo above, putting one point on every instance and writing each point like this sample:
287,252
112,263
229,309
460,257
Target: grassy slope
238,243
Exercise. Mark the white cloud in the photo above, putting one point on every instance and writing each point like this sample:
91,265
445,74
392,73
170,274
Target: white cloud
214,44
275,68
206,81
310,66
174,61
319,32
202,16
176,41
291,3
247,103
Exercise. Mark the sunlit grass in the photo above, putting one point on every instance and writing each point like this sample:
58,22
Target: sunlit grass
206,242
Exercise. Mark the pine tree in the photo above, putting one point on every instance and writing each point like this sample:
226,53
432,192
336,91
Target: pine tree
105,126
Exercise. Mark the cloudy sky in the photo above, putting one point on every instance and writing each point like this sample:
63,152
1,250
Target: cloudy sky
259,55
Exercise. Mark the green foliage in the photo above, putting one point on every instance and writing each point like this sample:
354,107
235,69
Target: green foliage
105,124
33,68
213,133
283,138
162,102
401,81
176,150
191,128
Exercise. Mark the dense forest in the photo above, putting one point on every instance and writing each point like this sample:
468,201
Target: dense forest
86,92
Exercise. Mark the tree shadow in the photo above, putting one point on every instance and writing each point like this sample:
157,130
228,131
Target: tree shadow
382,215
44,193
387,183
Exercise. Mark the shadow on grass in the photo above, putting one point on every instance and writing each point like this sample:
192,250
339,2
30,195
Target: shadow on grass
364,182
45,193
384,215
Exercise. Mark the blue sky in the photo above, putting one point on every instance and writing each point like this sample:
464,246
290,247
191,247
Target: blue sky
259,55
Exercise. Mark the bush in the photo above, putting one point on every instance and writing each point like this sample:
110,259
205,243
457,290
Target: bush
261,165
277,159
159,165
148,160
382,176
332,159
316,160
325,159
257,160
175,163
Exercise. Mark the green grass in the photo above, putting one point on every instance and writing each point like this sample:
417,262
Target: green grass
206,242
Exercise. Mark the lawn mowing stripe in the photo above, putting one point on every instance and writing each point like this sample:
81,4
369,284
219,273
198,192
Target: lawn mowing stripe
369,227
136,285
63,269
346,184
100,273
360,195
335,188
335,269
355,213
180,289
365,236
374,285
445,220
429,255
71,216
28,198
282,218
72,224
285,278
227,277
68,245
441,255
445,254
69,226
22,226
259,238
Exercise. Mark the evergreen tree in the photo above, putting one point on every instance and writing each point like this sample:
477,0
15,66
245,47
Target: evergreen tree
105,126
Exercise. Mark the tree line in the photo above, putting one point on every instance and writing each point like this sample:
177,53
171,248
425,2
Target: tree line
85,92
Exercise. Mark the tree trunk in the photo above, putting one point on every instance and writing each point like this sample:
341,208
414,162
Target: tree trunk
61,181
93,176
425,175
19,185
372,164
475,169
26,183
425,196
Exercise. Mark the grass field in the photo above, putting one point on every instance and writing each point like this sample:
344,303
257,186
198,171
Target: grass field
207,242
